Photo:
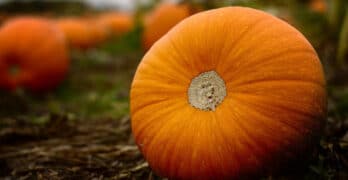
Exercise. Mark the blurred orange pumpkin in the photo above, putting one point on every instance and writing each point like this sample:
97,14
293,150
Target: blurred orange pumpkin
100,32
3,17
228,93
33,54
118,23
81,33
161,20
318,6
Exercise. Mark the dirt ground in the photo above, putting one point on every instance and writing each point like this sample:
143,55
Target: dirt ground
70,150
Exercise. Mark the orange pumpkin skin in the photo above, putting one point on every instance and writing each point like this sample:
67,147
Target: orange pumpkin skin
99,32
78,32
117,23
37,48
161,20
318,6
275,99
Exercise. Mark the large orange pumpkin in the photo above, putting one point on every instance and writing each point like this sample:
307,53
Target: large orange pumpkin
227,93
33,54
118,23
161,20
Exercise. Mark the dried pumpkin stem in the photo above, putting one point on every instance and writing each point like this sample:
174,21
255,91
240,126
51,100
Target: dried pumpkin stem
206,91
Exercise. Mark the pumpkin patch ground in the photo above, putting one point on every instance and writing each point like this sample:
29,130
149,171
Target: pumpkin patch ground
125,110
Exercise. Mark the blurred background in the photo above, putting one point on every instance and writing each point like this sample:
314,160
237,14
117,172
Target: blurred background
79,127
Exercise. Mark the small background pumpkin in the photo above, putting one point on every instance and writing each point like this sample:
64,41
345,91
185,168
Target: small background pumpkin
228,93
36,50
100,32
79,32
161,20
118,23
318,6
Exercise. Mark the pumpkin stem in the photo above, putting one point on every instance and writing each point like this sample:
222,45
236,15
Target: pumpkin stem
206,91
